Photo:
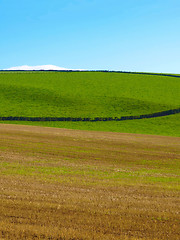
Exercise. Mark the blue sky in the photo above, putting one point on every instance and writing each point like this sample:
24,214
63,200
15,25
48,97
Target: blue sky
127,35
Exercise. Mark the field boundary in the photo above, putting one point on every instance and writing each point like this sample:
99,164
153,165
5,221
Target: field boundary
86,119
107,71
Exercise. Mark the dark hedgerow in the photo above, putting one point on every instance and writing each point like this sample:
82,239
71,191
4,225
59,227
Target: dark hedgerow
79,119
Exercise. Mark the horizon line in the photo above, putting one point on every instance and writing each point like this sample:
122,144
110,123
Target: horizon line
110,71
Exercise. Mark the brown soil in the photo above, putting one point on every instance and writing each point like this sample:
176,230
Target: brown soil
72,184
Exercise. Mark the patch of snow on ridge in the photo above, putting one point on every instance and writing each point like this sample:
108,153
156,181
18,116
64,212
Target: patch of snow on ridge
42,67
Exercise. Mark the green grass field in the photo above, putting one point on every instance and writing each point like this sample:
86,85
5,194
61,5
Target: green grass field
92,94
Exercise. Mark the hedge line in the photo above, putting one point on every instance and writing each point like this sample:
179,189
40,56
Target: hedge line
97,119
141,73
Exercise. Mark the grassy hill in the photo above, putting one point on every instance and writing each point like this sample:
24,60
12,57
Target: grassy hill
92,94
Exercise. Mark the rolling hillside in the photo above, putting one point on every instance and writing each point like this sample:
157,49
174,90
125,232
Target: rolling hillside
91,95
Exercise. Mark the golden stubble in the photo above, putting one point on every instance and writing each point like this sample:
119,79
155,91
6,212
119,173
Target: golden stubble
68,184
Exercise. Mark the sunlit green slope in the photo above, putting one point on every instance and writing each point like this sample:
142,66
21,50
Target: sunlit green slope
86,94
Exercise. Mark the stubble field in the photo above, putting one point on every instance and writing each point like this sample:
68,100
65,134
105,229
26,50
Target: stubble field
73,184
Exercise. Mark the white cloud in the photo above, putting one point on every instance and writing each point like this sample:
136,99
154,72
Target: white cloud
42,67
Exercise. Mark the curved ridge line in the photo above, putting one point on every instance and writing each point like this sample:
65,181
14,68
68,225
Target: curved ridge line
108,71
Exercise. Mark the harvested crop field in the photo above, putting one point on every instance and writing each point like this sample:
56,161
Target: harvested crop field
73,184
